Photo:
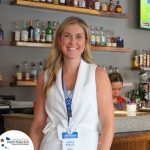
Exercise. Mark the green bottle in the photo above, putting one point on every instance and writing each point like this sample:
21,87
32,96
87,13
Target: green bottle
48,31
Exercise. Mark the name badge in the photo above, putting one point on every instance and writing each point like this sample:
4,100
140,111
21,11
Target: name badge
69,138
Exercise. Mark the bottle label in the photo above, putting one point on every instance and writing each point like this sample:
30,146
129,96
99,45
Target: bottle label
119,10
49,38
104,7
19,76
16,35
37,34
24,35
97,6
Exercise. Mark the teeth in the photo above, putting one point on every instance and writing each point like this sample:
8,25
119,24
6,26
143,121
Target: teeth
71,48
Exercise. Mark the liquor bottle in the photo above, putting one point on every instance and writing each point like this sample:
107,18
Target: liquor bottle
36,31
97,36
18,74
93,36
16,32
113,40
62,2
140,58
111,6
102,37
147,59
33,73
68,2
118,7
90,4
43,34
110,69
108,38
55,1
41,67
48,31
26,71
104,6
24,32
144,58
74,3
1,33
55,24
30,31
43,1
135,60
97,5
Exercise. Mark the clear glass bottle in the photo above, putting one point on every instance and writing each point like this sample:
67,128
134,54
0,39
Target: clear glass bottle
33,73
24,32
54,27
102,37
18,74
26,71
37,31
16,32
97,36
93,36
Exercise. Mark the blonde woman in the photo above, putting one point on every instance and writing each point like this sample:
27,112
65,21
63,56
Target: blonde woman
73,95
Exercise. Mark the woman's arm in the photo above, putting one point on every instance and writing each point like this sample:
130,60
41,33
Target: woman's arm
106,110
39,119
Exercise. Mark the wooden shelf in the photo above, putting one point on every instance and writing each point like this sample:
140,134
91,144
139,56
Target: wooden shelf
110,49
23,83
49,45
32,44
4,42
69,9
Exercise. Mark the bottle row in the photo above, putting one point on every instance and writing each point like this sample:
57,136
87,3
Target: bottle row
28,71
110,68
141,58
36,31
102,5
102,37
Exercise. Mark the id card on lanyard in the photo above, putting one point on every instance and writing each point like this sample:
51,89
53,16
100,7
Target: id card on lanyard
69,137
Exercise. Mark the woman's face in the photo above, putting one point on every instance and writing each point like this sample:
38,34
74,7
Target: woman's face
72,41
116,89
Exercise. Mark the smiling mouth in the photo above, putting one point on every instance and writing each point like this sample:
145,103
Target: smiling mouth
72,48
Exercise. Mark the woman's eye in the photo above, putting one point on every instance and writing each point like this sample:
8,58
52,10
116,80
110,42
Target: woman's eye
79,37
66,35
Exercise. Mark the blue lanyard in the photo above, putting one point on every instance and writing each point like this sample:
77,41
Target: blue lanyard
68,102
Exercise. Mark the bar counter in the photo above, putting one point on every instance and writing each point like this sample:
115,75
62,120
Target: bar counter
132,129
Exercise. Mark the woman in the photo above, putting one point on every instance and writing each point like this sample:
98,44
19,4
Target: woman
117,84
72,95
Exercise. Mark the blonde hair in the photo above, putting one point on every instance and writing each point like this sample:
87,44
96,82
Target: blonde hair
55,57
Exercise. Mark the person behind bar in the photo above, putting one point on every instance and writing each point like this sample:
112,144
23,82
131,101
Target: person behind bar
117,84
73,95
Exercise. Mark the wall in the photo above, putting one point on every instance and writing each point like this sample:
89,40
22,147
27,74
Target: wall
126,28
